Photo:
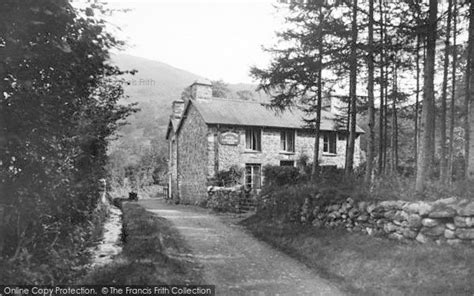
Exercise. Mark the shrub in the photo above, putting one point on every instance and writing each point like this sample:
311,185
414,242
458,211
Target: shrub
280,175
227,178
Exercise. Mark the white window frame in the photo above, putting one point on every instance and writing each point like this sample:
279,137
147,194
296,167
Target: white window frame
253,176
253,139
287,140
327,137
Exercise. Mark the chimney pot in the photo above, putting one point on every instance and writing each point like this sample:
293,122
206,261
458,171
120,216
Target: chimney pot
178,108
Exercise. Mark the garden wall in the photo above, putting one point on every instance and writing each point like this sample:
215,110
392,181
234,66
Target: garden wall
228,199
449,220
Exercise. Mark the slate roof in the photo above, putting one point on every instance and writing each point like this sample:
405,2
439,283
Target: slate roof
248,113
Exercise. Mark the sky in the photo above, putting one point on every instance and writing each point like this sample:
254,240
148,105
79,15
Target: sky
218,39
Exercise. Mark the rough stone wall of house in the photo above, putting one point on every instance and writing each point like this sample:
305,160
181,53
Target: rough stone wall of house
271,153
192,158
238,155
305,145
172,166
212,146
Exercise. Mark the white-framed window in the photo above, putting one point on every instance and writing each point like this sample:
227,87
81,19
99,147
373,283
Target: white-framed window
329,143
253,176
253,139
287,141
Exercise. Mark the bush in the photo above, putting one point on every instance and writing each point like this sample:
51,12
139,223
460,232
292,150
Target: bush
284,203
229,178
280,175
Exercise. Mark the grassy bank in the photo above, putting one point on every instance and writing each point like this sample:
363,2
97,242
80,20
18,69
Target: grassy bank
148,257
372,266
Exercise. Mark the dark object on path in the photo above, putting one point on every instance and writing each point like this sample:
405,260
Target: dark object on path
133,196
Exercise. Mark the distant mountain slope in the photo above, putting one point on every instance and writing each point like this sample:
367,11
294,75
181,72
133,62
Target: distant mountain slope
154,80
155,86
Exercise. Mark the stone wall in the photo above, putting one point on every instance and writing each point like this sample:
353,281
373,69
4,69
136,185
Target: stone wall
449,220
192,158
229,199
172,167
305,145
223,199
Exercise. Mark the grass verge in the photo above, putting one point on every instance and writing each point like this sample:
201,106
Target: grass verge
149,255
367,265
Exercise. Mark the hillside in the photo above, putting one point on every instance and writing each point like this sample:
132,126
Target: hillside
157,84
154,87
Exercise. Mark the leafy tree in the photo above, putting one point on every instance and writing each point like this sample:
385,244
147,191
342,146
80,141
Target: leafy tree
245,95
58,107
220,89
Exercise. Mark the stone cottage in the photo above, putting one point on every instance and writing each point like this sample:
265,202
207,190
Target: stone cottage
208,134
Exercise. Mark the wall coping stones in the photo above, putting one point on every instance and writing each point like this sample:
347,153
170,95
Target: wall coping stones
392,204
421,207
442,211
466,210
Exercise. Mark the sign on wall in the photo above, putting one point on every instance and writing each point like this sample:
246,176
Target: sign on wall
229,138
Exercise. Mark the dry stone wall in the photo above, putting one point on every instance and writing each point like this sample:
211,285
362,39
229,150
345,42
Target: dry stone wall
229,199
223,199
449,220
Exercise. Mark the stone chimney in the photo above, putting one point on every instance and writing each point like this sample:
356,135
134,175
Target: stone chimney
178,108
201,89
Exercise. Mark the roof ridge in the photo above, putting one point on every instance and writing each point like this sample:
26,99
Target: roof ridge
232,100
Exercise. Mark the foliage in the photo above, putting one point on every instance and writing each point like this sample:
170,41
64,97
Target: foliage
58,107
228,178
146,258
280,175
220,89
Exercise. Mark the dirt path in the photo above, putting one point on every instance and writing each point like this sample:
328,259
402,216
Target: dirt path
236,262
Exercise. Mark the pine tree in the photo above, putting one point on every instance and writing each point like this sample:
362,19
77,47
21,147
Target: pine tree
424,167
443,167
370,93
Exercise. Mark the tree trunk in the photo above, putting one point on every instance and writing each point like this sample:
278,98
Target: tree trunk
352,91
317,133
469,89
370,93
394,156
395,122
381,113
428,112
417,99
385,120
443,165
453,96
348,127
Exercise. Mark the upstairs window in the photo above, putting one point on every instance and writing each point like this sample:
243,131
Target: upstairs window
287,141
329,143
253,139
